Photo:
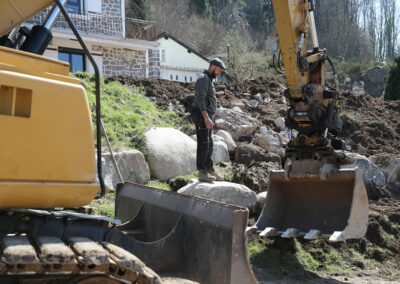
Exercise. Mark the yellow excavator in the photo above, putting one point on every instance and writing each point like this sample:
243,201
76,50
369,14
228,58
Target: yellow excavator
313,197
49,165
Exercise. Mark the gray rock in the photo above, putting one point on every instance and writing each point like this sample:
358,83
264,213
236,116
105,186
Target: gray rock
170,153
246,153
390,166
226,192
280,124
271,140
374,81
236,122
258,97
371,173
227,139
132,165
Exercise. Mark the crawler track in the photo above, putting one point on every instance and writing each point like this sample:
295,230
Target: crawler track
32,254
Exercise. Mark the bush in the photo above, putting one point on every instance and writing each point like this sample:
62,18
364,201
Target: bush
392,90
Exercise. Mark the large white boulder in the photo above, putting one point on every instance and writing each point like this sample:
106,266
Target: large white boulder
390,166
170,153
227,139
371,173
226,192
235,122
220,152
132,166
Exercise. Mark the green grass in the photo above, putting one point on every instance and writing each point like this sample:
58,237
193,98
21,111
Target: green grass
158,184
127,114
104,206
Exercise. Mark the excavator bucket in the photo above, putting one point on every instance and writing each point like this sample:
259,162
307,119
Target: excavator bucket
308,206
183,236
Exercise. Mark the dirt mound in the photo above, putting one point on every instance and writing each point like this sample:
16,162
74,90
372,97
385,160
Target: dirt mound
371,126
371,123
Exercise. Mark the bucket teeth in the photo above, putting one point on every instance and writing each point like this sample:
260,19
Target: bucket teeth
269,232
252,230
312,235
337,237
289,233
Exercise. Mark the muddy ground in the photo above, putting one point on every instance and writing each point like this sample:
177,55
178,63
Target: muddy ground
371,126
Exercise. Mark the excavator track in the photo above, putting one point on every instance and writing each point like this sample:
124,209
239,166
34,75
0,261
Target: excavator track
47,259
37,256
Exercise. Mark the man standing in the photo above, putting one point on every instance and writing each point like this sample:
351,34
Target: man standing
204,107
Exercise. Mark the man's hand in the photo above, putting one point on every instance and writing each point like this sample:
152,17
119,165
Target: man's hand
207,120
209,123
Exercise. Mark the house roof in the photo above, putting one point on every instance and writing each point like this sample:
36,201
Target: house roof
167,35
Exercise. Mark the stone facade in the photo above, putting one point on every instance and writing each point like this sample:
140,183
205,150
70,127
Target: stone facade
154,63
111,24
122,61
111,8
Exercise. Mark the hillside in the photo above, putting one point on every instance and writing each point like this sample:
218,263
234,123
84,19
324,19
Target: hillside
372,127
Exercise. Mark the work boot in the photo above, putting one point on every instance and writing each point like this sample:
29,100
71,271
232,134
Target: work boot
216,175
204,176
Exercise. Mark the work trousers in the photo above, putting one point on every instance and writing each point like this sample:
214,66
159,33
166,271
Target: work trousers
205,144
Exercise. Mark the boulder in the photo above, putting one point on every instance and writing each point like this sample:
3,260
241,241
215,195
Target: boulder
132,166
227,139
374,81
390,167
170,153
271,140
220,152
247,153
371,173
226,192
236,122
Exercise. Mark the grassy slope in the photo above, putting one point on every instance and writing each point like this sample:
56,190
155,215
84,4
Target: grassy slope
126,113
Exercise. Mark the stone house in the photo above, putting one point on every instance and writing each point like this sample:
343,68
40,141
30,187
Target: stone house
120,45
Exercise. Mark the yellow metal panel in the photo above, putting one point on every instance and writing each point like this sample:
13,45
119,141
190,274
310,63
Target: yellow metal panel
15,12
46,195
28,60
55,143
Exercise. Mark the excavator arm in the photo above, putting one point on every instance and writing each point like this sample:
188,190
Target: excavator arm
312,197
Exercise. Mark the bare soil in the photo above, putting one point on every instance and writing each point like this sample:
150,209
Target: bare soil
371,126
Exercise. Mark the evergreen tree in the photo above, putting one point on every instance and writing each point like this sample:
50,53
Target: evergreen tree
392,90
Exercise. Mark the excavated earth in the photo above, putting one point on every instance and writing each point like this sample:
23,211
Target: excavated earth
371,127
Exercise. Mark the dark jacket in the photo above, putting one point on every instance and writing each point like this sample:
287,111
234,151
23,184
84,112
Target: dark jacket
205,97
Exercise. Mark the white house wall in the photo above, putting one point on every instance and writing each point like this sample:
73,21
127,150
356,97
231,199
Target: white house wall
179,62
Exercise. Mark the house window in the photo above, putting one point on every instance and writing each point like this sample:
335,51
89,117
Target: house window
73,6
163,58
185,79
75,58
177,78
172,78
191,79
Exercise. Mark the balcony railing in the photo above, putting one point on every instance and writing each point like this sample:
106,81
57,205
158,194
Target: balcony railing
105,25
